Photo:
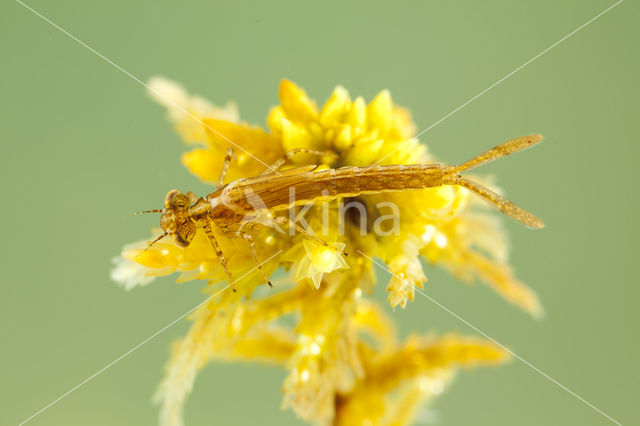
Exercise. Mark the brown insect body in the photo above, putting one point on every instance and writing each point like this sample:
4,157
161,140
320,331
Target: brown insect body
229,206
304,185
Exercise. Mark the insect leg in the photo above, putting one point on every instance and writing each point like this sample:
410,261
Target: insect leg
216,248
279,163
249,238
225,166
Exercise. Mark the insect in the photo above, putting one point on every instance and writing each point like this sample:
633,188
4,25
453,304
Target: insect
234,205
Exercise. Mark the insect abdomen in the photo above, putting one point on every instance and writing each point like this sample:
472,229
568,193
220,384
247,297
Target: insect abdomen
349,181
274,192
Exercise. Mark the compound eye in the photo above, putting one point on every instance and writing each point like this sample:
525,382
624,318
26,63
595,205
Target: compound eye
168,199
185,233
180,201
180,240
176,199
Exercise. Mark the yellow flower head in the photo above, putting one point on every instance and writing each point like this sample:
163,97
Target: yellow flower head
344,363
361,133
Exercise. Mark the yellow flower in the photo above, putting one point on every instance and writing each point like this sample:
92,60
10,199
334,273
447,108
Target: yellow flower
184,110
344,363
418,371
319,260
361,134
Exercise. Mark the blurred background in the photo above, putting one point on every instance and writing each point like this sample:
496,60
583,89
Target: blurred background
83,146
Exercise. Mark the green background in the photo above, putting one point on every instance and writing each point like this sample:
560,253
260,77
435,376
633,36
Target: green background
83,146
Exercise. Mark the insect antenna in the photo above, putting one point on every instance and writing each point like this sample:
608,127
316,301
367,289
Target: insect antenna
155,241
147,211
